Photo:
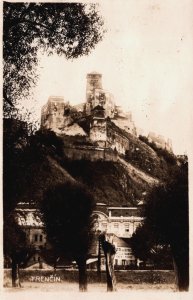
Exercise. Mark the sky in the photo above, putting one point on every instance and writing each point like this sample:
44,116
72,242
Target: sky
146,60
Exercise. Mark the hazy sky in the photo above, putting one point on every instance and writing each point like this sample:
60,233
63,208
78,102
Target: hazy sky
146,59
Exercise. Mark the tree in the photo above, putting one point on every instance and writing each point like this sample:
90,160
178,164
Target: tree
141,242
167,222
15,139
69,29
146,248
15,242
15,246
30,166
109,252
66,211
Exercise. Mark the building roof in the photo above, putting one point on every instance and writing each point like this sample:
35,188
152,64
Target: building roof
120,211
28,217
125,211
102,208
120,242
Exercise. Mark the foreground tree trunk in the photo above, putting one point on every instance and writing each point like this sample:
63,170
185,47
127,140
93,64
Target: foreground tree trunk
180,251
181,269
109,251
111,279
82,275
15,274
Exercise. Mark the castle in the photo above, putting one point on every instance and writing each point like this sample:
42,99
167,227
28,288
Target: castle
98,121
99,107
160,141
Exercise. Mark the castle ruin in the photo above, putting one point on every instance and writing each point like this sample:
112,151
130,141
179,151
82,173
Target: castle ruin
93,119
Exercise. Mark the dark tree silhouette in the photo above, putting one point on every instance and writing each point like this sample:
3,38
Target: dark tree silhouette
15,246
141,242
66,211
167,222
27,172
69,29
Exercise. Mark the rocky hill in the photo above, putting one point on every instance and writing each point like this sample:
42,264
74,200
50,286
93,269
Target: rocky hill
125,180
101,147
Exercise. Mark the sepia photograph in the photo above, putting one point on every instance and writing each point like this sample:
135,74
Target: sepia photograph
96,126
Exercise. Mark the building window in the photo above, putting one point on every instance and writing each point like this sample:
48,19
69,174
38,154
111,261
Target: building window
41,237
116,225
35,238
127,227
123,262
104,225
116,262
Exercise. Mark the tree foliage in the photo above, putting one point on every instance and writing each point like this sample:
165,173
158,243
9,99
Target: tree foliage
69,29
15,140
26,167
15,244
167,222
67,213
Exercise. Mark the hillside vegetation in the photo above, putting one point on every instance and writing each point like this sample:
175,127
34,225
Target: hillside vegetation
131,178
42,163
109,181
146,156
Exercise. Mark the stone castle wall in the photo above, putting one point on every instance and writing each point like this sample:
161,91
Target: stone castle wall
52,114
116,141
90,153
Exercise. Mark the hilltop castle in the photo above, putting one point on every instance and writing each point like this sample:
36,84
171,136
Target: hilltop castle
98,120
99,107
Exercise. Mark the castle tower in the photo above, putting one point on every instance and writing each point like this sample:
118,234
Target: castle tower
52,114
98,126
94,81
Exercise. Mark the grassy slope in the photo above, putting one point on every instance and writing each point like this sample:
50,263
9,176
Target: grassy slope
108,181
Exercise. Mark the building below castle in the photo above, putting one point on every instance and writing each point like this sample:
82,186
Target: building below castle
119,222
